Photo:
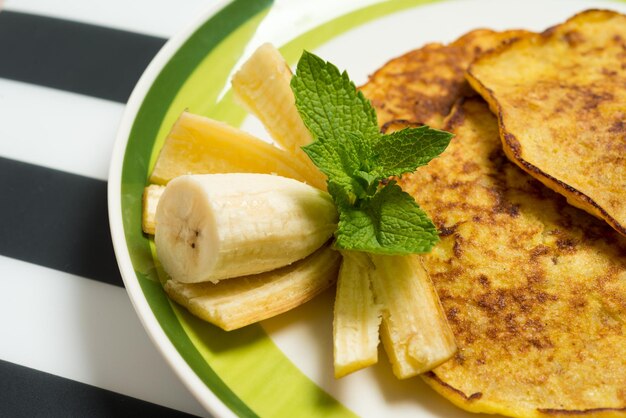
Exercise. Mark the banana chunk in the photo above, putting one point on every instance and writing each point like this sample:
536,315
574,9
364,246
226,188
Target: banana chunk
232,304
211,227
150,201
356,317
201,145
263,86
415,330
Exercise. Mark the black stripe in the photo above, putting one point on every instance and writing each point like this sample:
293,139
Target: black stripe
56,219
26,392
72,56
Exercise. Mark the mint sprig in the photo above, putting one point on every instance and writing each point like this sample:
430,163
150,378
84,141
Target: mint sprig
356,157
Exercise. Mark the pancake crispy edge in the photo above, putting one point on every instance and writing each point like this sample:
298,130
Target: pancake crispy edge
422,85
560,97
534,289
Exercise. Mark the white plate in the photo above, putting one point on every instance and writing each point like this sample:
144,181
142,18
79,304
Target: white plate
282,367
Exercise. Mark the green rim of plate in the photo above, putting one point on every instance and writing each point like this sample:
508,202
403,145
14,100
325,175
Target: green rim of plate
244,368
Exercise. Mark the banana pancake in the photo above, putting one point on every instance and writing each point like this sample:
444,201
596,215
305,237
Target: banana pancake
560,97
423,85
534,289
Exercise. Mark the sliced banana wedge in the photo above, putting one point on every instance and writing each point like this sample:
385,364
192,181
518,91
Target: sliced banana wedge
356,317
232,304
262,85
415,330
151,196
201,145
211,227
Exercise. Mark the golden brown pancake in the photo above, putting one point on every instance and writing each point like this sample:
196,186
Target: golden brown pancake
560,97
421,86
534,289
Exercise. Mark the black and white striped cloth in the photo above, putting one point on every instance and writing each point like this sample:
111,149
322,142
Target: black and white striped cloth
70,342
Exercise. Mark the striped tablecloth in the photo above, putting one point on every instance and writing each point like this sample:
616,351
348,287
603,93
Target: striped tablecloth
70,342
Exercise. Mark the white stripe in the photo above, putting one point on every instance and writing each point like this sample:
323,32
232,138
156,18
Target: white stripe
161,18
57,129
83,330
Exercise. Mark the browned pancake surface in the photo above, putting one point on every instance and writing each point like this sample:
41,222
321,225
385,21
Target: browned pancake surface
421,86
534,289
560,98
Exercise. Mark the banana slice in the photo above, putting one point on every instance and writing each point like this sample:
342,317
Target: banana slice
200,145
232,304
415,330
151,196
356,317
211,227
262,85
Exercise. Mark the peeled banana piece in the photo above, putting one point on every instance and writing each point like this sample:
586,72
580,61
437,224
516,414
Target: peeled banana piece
211,227
414,331
151,196
262,85
201,145
356,317
232,304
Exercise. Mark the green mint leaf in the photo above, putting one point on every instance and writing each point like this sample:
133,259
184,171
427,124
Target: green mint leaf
341,161
355,156
335,162
341,196
329,103
340,157
390,222
405,150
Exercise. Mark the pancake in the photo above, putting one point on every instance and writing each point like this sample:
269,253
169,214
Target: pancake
560,97
421,86
533,288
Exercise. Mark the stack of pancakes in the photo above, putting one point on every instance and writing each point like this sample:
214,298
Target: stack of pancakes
533,287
